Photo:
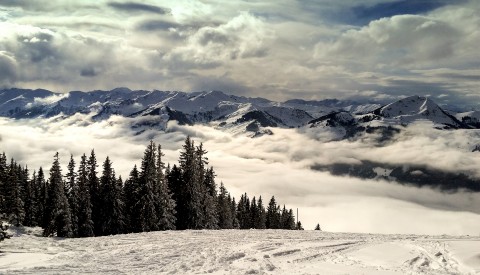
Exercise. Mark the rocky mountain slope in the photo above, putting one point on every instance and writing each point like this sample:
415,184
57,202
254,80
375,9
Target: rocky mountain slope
234,113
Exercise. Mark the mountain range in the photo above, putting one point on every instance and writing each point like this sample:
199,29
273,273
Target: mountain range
230,112
254,117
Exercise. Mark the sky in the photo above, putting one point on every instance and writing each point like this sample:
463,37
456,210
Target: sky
311,49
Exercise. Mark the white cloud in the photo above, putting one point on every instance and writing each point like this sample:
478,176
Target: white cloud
241,37
402,40
278,165
46,100
259,48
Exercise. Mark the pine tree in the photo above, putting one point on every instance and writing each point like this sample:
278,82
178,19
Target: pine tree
131,191
42,196
273,215
14,204
3,195
85,223
146,206
254,213
3,228
57,205
112,220
225,219
71,185
299,226
95,197
233,208
29,199
176,185
317,227
243,212
287,219
260,220
3,182
165,204
192,194
210,214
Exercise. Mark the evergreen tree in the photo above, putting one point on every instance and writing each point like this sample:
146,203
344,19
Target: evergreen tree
85,223
112,220
243,212
130,198
42,196
176,184
287,219
154,198
272,216
95,197
71,185
146,206
254,213
210,214
260,218
225,219
191,195
299,226
165,204
3,182
58,210
4,171
14,204
3,229
317,227
233,208
29,199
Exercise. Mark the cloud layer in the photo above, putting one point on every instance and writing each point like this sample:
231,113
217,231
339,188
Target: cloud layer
279,165
279,50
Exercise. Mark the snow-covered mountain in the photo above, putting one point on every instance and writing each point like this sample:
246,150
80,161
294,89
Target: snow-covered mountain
229,112
414,108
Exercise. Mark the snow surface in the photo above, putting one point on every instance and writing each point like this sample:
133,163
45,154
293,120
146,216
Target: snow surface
241,252
415,108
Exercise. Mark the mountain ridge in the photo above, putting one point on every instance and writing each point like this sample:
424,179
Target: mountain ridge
237,113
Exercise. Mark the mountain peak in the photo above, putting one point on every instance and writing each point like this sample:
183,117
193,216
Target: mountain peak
416,107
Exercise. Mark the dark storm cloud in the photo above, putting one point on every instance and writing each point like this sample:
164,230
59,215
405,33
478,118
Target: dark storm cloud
43,5
138,7
88,72
458,76
414,86
222,83
155,25
8,70
15,3
39,47
363,14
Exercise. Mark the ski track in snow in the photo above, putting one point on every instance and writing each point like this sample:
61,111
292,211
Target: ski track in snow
241,252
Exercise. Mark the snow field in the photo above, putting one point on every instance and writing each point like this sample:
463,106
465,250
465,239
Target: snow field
241,252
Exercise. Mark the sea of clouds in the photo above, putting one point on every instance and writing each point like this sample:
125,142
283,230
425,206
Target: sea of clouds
279,165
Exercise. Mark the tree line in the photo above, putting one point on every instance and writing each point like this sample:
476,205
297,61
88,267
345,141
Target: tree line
85,203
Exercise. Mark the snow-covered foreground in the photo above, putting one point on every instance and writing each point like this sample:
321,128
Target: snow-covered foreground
241,252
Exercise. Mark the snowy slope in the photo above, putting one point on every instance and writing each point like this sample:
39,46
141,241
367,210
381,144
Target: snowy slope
235,114
241,252
13,99
414,108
